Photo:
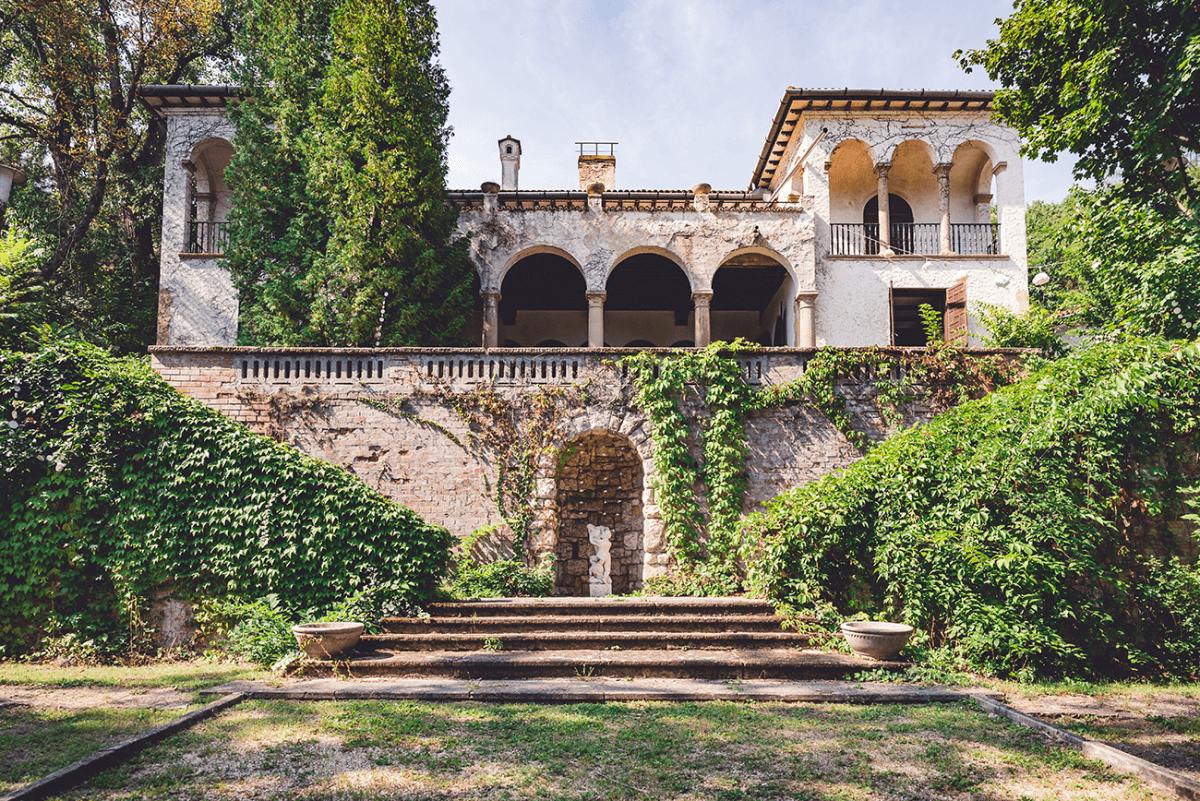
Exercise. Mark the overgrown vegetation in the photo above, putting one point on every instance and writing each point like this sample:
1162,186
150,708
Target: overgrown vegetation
115,487
1026,532
706,548
477,571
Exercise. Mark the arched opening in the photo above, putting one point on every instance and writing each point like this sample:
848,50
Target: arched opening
901,216
648,299
974,219
752,296
599,485
543,302
209,197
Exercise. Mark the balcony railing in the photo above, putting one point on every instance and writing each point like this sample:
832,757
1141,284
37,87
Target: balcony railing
207,237
968,239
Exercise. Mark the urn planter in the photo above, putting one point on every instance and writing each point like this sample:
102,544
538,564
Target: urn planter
876,639
327,640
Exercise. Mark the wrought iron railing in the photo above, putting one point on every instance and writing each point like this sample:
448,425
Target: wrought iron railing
862,239
208,237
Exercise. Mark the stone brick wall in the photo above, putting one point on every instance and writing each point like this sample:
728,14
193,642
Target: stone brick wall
599,482
389,417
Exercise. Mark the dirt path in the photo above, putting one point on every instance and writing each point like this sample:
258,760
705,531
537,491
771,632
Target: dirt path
91,697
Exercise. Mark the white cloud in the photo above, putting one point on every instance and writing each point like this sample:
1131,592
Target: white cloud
688,88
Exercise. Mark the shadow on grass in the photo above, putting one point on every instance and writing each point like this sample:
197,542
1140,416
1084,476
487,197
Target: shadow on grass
607,751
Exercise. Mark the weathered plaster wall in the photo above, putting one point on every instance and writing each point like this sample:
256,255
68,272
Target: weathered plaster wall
198,304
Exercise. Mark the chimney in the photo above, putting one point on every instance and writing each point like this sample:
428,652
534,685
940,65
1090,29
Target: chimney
597,165
510,163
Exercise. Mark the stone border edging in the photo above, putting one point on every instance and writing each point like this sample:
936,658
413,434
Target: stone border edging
107,757
1115,758
596,690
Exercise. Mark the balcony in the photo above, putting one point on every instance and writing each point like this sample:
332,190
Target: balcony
207,238
921,239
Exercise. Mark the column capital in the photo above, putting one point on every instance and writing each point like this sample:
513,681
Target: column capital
702,296
882,167
596,298
942,168
807,295
491,295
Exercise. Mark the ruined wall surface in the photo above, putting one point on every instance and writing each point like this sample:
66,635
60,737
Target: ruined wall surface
393,418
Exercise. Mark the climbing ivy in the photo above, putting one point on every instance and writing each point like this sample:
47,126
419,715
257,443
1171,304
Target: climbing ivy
706,551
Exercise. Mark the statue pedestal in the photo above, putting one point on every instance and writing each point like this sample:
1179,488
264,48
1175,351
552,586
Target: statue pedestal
598,588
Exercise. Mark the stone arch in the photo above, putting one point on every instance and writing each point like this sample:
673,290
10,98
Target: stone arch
851,177
533,250
599,482
924,146
655,250
649,297
543,299
753,297
208,197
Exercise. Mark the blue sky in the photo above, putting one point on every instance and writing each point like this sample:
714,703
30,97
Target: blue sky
688,87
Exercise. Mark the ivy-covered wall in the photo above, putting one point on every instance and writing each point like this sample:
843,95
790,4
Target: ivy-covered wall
466,451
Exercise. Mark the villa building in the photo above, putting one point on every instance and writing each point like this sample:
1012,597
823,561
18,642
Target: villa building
861,206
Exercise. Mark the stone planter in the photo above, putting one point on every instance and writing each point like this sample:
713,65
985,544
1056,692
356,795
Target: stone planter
876,639
327,640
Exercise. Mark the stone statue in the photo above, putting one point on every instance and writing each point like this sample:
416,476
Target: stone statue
600,563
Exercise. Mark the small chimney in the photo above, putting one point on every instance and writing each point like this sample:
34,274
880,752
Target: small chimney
597,165
510,163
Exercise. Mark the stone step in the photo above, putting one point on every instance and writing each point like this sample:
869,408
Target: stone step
582,640
599,622
759,663
612,605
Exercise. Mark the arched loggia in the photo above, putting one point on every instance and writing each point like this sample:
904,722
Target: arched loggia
543,300
753,299
648,299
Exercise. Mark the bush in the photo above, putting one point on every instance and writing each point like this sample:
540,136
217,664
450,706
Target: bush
112,484
256,631
486,566
1026,532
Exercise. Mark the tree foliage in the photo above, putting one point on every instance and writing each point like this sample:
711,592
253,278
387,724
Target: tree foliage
1117,84
1028,532
113,487
341,230
70,71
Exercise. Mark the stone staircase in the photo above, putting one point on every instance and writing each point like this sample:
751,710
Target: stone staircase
510,638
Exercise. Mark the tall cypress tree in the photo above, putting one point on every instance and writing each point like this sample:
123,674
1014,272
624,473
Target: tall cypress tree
341,230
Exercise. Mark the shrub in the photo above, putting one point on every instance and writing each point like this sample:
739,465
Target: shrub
256,631
1026,532
112,484
484,566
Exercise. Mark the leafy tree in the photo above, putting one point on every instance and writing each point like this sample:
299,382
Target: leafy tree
70,71
1115,83
20,292
341,230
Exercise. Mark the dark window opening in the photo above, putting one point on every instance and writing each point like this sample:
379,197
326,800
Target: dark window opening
649,282
900,220
907,328
749,287
542,282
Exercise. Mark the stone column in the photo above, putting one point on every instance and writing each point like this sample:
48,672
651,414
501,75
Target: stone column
942,171
702,302
806,327
885,224
491,319
595,301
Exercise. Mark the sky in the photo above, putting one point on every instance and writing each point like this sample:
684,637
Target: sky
687,87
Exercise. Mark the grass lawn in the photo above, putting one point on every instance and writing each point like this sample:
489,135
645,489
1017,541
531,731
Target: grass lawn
35,742
183,676
716,750
62,714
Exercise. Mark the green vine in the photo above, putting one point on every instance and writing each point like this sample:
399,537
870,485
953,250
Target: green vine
941,376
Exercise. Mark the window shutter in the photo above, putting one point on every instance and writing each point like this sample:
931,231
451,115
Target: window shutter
955,320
